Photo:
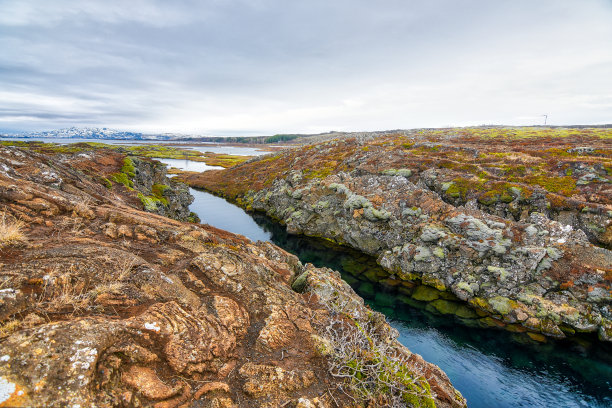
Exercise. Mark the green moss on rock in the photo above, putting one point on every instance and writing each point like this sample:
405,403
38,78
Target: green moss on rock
465,312
299,284
122,178
445,307
502,305
106,182
425,293
150,203
128,167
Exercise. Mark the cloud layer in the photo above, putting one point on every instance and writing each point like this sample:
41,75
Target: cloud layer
267,66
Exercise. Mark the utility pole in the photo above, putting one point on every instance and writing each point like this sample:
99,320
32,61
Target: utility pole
545,119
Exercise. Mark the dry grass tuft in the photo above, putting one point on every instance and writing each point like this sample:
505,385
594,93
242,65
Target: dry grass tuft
113,288
60,294
9,327
74,225
114,283
125,269
11,230
83,209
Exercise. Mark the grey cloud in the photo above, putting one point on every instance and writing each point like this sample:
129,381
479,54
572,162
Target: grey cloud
270,65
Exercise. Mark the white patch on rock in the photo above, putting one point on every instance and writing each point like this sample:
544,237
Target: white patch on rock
152,326
8,293
83,381
6,389
5,357
82,359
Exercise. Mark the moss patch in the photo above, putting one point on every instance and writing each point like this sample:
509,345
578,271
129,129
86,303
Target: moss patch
122,178
151,203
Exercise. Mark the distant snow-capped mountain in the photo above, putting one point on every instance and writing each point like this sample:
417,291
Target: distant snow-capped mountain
90,133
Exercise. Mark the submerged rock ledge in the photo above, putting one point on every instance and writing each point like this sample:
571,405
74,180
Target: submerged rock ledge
513,221
103,304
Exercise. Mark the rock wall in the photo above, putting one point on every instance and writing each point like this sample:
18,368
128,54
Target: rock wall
513,204
503,268
160,194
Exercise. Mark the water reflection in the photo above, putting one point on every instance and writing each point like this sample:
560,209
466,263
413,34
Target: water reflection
188,165
219,213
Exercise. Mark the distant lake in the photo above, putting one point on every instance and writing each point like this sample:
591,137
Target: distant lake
204,146
234,150
188,165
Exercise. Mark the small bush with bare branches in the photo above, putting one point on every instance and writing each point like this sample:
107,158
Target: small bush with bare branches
374,369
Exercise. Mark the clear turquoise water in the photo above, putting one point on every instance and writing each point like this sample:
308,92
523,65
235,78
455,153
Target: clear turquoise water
491,368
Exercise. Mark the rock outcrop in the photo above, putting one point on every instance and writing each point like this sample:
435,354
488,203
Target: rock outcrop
159,193
139,180
103,304
503,219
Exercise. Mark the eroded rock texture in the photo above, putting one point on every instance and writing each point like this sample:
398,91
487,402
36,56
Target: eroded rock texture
102,304
514,221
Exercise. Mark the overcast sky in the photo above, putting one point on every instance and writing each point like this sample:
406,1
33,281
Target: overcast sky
269,66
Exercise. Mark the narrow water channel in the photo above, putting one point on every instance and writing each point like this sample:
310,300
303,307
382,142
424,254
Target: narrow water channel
491,368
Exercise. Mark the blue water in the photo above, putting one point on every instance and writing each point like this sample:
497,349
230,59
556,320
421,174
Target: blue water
216,211
491,368
219,213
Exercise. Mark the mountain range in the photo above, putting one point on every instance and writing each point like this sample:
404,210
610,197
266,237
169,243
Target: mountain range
87,133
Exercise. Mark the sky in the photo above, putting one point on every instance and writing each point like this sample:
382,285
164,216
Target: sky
252,67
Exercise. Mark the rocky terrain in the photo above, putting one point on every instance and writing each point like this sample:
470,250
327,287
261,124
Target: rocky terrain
103,304
513,221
